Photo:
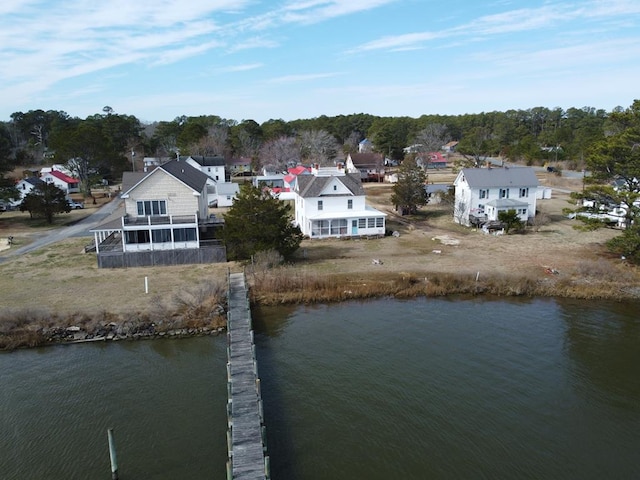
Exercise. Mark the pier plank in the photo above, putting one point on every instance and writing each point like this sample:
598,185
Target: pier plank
247,452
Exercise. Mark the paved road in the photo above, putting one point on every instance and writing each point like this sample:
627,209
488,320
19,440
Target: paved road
79,229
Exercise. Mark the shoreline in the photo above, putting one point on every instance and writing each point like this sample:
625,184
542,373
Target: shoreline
280,288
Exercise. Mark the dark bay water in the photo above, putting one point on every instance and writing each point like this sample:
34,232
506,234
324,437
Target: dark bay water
165,400
428,389
416,389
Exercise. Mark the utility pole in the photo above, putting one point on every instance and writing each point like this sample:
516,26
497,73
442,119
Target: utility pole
133,163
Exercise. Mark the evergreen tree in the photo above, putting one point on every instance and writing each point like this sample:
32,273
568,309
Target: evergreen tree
258,222
627,244
510,220
45,200
409,192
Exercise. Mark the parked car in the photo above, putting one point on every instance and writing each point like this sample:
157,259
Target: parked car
76,205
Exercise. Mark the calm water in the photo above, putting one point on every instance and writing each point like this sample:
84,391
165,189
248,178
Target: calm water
419,389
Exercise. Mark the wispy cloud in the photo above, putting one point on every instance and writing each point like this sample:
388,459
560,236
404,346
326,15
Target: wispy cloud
252,43
302,77
313,11
512,21
239,68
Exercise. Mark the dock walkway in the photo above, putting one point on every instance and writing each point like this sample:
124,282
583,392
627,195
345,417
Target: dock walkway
245,436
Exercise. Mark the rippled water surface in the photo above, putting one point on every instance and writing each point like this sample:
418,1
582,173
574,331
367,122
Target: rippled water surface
453,389
165,400
416,389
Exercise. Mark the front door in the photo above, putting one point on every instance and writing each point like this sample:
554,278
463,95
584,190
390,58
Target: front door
354,227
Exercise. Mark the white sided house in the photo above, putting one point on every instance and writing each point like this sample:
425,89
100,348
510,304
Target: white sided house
213,167
482,193
334,206
165,210
25,186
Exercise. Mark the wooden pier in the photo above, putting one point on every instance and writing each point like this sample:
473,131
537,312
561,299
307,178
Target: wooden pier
246,434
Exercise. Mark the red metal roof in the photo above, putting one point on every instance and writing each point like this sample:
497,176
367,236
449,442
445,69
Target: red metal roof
63,177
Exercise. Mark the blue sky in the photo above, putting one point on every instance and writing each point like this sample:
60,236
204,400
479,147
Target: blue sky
291,59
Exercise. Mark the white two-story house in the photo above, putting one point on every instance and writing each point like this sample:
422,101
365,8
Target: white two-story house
213,167
334,206
481,193
164,210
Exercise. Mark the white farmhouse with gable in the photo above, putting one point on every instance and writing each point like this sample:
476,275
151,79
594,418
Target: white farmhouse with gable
334,206
481,193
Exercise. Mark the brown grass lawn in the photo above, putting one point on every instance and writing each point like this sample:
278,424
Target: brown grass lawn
62,279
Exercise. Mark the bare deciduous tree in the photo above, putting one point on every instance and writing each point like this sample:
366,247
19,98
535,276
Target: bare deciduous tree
351,143
279,154
247,145
539,220
214,143
318,146
432,138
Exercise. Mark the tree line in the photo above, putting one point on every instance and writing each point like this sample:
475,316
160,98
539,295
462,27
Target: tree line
102,144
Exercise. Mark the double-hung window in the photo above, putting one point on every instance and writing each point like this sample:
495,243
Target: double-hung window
504,193
524,192
320,206
484,193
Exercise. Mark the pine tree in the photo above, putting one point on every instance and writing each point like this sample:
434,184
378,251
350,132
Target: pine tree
45,200
258,222
409,192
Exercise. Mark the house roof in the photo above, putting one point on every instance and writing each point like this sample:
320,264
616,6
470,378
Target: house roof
215,161
366,159
507,203
311,185
436,157
31,180
227,188
184,172
435,188
131,179
239,161
299,170
61,176
500,177
367,212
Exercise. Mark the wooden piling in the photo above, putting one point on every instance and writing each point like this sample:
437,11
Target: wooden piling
112,455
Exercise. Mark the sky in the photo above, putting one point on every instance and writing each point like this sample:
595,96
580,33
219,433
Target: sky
300,59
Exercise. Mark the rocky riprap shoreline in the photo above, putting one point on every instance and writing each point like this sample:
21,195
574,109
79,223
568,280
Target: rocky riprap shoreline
115,332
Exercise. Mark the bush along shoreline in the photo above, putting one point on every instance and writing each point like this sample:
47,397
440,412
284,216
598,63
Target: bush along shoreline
279,288
205,313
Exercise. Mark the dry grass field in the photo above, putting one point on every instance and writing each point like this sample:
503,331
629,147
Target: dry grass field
63,280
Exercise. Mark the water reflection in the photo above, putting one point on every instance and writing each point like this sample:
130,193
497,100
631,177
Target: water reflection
603,340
